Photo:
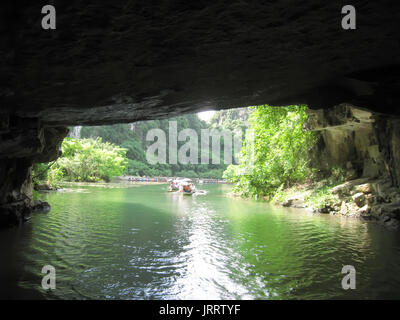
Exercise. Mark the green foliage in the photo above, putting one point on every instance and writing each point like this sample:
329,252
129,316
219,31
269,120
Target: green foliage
231,174
83,160
321,197
187,174
232,119
134,150
40,172
132,137
107,151
338,175
116,134
35,195
47,173
281,194
276,155
91,160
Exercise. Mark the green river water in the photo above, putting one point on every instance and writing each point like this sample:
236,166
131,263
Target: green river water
141,242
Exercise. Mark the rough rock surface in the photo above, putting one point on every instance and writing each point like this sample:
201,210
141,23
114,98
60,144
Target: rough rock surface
365,143
123,61
17,154
120,61
359,199
380,202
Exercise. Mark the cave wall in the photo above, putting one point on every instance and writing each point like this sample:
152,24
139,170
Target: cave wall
22,143
363,143
387,131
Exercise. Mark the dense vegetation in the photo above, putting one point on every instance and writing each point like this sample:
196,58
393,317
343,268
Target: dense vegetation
231,119
83,160
102,152
132,137
275,153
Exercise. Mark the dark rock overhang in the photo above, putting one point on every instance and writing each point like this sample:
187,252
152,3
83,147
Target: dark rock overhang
125,61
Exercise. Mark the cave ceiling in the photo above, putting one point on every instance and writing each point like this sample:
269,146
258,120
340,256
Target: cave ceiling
123,61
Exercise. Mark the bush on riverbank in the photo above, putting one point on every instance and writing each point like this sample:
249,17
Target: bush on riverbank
85,160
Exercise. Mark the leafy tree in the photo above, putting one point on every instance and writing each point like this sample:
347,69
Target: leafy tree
276,155
88,160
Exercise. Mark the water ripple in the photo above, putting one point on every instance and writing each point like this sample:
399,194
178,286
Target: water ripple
142,243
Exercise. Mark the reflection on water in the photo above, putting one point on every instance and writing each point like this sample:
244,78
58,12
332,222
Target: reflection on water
145,243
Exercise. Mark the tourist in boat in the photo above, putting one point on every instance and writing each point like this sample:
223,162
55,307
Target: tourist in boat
173,186
187,188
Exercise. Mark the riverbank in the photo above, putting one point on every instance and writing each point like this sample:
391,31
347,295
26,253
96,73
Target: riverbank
365,198
139,179
119,182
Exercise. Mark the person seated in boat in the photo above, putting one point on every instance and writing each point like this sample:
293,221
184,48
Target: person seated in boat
173,186
187,188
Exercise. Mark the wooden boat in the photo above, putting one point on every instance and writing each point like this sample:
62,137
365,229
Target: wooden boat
187,188
188,193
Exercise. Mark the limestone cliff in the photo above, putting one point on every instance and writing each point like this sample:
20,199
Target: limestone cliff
366,146
363,142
